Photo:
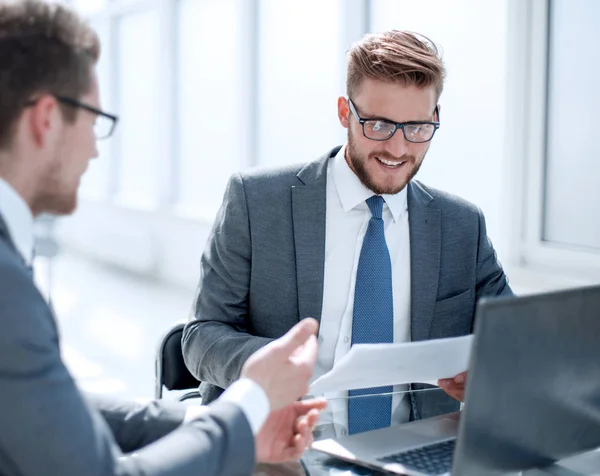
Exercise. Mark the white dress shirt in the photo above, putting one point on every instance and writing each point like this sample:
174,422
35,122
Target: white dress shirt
347,219
245,393
18,219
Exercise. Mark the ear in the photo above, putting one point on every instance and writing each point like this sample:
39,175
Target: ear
439,108
44,118
343,112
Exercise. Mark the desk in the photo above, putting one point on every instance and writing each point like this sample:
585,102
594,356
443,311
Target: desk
314,463
319,464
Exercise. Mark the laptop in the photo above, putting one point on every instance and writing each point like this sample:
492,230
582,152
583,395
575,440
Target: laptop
532,395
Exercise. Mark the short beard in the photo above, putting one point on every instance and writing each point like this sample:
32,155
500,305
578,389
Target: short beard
51,196
358,165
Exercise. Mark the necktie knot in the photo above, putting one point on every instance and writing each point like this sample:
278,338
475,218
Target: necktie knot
375,204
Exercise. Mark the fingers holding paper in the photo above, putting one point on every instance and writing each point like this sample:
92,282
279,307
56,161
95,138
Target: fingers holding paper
455,387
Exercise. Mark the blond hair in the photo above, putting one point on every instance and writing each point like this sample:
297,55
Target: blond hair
395,56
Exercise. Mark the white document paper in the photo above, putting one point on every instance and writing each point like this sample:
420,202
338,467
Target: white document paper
376,365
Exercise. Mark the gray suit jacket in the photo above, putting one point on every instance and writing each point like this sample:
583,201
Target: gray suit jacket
262,271
47,427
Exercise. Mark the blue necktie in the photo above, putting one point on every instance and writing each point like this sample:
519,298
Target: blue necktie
373,320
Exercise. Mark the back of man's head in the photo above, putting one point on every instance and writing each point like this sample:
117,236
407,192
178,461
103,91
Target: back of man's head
45,48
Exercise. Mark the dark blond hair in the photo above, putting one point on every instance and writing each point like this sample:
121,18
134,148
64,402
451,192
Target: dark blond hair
44,49
395,56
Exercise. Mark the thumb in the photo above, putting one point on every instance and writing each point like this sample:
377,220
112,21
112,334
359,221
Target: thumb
307,353
298,335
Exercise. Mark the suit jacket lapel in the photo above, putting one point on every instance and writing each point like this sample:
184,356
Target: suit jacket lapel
309,202
5,235
425,248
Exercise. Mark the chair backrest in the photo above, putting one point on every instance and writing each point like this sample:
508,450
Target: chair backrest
171,371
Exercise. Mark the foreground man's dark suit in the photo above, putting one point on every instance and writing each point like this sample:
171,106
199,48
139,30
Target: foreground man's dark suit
48,428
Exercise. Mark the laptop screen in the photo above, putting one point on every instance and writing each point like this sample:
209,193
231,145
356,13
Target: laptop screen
533,391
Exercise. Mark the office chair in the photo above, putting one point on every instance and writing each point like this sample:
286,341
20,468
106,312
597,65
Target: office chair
171,371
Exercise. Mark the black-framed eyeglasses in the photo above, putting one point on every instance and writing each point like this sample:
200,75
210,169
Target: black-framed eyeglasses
105,123
382,129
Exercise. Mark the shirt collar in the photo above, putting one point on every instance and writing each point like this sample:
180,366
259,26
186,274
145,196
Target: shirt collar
352,192
18,219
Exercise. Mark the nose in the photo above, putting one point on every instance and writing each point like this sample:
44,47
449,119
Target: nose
397,145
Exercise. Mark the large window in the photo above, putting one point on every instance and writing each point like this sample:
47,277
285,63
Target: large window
203,88
299,66
562,173
139,91
211,122
572,185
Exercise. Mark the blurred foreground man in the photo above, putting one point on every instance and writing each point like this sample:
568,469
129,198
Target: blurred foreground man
50,119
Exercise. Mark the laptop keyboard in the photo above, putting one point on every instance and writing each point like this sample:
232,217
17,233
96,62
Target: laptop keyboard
433,459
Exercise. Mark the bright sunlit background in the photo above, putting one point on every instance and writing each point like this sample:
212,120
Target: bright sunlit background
205,88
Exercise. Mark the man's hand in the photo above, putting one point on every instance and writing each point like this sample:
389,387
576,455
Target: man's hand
288,431
455,387
284,367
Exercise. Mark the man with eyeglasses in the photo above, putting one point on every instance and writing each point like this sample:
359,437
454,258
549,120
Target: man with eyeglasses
50,119
350,239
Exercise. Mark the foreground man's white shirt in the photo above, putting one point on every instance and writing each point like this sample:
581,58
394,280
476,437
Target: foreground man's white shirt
18,219
245,393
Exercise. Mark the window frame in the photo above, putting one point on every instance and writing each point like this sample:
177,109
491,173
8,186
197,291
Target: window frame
527,130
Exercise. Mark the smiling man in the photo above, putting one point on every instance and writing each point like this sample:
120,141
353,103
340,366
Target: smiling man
350,239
